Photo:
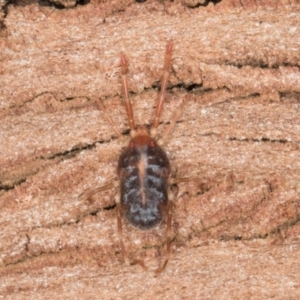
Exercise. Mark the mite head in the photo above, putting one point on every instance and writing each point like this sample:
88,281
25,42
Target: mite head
141,141
140,138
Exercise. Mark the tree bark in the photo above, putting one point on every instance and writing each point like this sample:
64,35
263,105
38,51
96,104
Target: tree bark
235,230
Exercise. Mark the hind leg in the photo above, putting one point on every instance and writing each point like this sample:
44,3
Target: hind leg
120,231
120,234
171,198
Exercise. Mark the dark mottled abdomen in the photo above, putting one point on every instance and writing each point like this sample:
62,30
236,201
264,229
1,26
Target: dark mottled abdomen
143,170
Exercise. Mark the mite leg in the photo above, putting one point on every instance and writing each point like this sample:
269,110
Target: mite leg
109,119
183,179
171,197
164,83
120,231
168,232
120,234
91,192
169,129
125,92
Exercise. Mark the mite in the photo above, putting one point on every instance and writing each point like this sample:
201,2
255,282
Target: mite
144,196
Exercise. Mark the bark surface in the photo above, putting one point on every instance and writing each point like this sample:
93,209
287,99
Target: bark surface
236,228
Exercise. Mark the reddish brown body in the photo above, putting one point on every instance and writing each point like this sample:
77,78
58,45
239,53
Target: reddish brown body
143,170
144,198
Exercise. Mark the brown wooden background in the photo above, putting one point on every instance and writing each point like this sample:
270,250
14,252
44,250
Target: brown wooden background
236,230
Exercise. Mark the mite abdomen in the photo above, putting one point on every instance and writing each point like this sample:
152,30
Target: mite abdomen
143,170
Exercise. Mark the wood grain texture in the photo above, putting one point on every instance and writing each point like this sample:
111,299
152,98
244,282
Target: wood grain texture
236,231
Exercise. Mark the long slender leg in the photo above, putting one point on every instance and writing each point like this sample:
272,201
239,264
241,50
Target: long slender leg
168,232
183,179
171,126
171,197
120,231
128,106
91,192
164,83
120,234
109,119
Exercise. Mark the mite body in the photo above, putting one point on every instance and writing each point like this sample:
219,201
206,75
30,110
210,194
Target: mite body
143,171
143,197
